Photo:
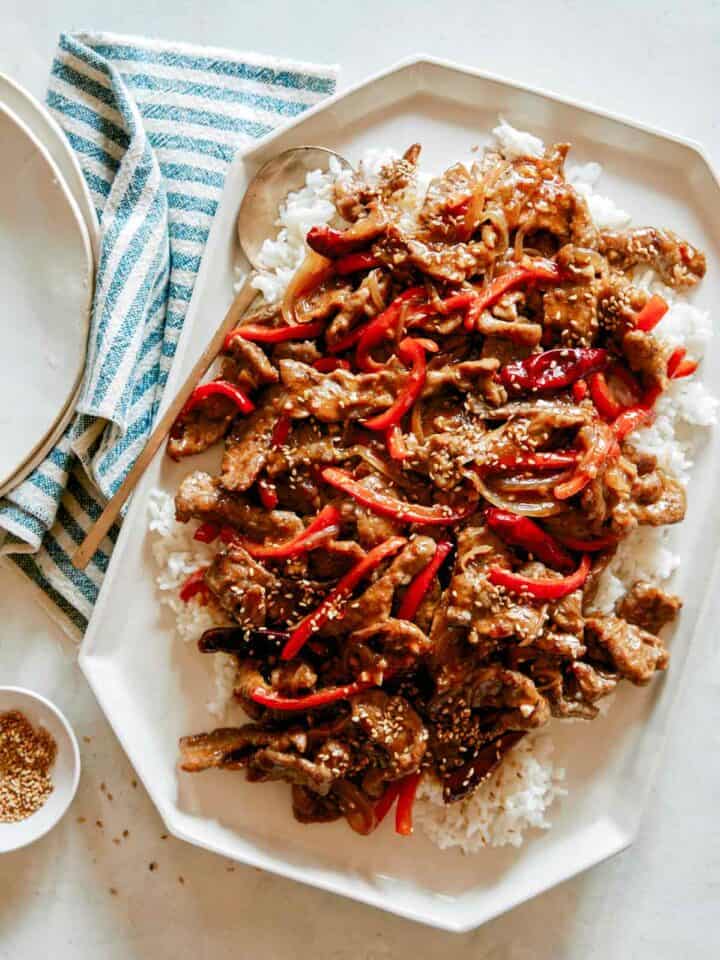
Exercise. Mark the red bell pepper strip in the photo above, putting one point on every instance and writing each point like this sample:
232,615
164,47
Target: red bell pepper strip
328,242
382,328
384,804
267,492
281,430
589,546
329,517
336,243
257,333
194,585
523,532
229,535
217,388
421,583
387,506
406,799
651,314
312,701
542,588
553,369
541,460
350,339
330,364
678,366
355,262
395,442
541,271
630,419
579,390
588,465
410,351
331,605
606,405
206,533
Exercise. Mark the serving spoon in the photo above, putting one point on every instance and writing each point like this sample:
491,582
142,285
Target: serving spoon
256,222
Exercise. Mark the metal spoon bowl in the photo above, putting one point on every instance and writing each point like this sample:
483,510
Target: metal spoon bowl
257,220
257,217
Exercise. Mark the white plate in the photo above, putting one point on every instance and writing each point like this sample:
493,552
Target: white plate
65,772
47,130
46,271
153,689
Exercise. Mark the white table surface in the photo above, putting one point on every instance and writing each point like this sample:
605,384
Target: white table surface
655,61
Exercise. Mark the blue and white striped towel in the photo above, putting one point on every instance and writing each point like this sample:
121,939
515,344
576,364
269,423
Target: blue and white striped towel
155,126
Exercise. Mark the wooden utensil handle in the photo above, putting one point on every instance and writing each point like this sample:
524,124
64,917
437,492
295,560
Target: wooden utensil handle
87,548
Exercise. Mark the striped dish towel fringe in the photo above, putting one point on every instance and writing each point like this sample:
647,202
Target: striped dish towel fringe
155,126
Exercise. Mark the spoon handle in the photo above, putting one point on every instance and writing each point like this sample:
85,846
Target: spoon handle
87,548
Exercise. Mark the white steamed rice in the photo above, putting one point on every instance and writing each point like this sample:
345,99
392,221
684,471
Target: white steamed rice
518,796
514,799
177,555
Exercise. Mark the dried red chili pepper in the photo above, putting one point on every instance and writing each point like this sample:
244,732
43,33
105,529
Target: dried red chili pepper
553,369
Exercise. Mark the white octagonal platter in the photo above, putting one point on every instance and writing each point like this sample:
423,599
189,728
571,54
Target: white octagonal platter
153,689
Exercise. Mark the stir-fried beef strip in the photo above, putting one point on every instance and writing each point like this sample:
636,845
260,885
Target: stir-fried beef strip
648,607
249,445
419,493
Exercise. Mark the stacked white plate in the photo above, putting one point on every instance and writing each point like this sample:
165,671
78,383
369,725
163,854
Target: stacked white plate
49,237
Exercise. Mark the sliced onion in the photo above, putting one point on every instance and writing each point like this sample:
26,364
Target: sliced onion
356,808
529,508
498,220
520,242
375,293
380,466
416,421
527,408
474,213
310,274
535,484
